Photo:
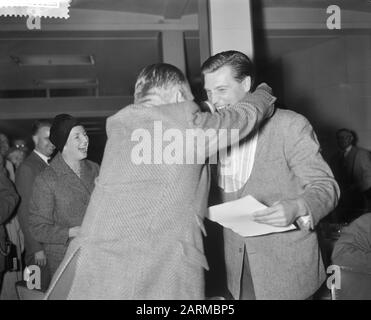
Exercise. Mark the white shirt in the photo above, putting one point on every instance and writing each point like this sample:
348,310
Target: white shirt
347,150
42,156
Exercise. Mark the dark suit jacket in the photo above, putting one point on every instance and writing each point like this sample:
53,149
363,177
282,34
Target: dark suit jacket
8,202
355,169
58,203
354,176
287,165
30,168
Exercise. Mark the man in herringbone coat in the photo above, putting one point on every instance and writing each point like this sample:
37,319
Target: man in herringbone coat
141,237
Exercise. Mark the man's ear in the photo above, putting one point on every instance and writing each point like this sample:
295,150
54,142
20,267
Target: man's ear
35,139
179,96
246,83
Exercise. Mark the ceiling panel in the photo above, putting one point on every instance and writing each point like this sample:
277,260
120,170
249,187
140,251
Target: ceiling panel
117,61
155,7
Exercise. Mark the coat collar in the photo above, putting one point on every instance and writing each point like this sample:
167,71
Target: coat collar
62,169
36,160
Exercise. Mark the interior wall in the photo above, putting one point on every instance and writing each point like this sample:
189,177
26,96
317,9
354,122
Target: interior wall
330,84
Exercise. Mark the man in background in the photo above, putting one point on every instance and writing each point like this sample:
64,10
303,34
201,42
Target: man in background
36,162
280,165
352,169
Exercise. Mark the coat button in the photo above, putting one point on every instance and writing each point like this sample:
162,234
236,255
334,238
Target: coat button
240,250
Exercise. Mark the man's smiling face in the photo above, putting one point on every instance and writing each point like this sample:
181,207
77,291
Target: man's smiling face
223,89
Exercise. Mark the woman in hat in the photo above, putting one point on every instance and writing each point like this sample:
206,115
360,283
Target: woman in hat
62,191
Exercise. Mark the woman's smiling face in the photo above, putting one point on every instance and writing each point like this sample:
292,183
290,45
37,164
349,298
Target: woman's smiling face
77,144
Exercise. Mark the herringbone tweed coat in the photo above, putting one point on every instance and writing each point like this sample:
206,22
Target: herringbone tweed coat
58,202
141,235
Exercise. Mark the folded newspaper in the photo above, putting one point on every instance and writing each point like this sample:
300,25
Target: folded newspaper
237,215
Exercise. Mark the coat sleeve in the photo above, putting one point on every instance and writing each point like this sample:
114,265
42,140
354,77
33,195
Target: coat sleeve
302,151
42,205
353,248
8,198
24,179
244,117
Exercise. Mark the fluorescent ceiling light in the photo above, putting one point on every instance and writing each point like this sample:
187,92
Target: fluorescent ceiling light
67,83
53,60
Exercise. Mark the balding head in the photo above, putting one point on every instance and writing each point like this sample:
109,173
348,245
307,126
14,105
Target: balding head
161,83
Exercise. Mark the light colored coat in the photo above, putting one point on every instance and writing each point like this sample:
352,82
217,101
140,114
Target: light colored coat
58,202
141,236
287,165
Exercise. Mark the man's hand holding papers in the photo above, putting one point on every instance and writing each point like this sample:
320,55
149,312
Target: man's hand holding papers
239,215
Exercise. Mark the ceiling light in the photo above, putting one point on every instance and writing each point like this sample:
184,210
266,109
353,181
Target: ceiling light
53,60
67,83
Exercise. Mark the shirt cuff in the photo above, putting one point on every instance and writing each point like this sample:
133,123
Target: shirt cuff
305,221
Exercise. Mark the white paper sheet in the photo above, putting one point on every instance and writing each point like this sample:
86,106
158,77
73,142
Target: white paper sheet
237,215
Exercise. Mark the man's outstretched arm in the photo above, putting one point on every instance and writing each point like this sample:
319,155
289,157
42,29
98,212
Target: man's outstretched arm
246,116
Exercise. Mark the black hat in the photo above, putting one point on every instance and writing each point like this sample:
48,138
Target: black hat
60,130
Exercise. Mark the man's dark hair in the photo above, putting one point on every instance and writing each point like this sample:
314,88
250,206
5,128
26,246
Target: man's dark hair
158,76
39,124
240,63
351,132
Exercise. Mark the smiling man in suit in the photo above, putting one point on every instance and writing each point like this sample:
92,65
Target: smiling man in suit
34,164
281,166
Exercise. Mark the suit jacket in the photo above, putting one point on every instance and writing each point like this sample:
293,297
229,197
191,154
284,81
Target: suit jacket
353,248
31,167
354,169
141,236
8,202
58,203
287,165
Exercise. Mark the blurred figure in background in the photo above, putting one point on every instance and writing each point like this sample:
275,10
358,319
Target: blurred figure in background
62,191
20,144
352,169
8,202
4,149
4,145
13,158
16,157
353,249
15,234
26,173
